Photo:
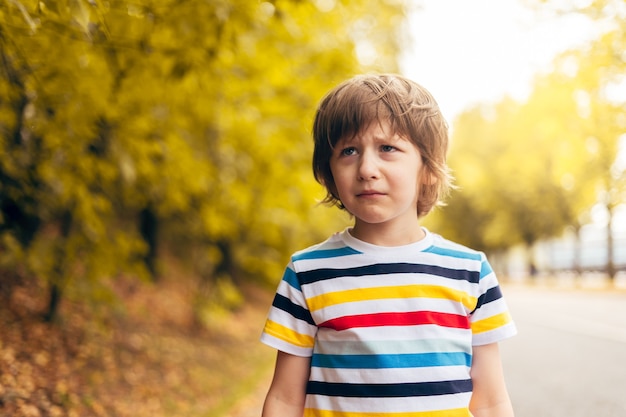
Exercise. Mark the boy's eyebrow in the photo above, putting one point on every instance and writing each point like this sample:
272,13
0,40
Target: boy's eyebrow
380,139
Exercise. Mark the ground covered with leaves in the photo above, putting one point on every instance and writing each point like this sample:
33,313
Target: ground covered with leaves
143,355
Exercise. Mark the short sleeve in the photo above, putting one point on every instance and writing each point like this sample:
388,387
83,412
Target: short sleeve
491,320
289,326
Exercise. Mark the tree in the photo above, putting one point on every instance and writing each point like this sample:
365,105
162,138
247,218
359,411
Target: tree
598,70
520,168
132,128
527,170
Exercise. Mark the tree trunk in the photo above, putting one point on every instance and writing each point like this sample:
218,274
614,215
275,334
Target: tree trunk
58,278
149,229
577,252
610,261
54,298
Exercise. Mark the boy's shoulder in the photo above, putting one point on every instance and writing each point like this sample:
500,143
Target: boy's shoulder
329,247
446,246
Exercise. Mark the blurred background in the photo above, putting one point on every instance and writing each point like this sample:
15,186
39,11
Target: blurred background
155,176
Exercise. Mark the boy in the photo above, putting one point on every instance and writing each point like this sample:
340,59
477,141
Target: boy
386,318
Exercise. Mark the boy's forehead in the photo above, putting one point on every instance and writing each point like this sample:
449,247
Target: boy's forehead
381,126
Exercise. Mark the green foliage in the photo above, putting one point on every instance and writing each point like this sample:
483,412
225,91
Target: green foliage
128,129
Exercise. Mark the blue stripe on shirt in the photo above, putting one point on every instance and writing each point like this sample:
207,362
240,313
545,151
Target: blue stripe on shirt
291,278
475,256
325,253
380,361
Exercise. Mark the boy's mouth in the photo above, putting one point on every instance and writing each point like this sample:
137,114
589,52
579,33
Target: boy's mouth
369,193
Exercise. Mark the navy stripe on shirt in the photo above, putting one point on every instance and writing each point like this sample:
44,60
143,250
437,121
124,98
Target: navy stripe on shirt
492,294
309,277
413,389
283,303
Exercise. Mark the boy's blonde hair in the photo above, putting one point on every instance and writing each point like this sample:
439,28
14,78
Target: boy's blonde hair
410,109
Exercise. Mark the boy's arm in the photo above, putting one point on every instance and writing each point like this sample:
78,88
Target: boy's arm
287,392
490,397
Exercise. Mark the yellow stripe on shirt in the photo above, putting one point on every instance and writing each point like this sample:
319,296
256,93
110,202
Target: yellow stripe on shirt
491,323
377,293
458,412
284,333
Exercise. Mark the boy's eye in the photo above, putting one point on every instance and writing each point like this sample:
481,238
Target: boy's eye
387,148
348,151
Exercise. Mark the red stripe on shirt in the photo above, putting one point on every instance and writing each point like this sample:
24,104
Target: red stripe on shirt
412,318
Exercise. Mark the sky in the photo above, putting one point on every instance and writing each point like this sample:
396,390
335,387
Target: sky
471,51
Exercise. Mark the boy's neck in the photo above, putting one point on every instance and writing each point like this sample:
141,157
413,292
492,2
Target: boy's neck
387,236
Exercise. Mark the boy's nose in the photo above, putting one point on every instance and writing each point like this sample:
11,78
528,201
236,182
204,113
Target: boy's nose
368,168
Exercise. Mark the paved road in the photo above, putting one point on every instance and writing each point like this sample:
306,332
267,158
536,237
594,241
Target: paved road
569,358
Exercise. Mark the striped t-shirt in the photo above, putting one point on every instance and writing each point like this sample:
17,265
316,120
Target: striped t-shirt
389,330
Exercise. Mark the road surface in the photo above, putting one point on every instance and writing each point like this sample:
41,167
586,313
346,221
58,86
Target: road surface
569,357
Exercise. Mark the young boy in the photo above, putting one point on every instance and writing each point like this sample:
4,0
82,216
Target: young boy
386,318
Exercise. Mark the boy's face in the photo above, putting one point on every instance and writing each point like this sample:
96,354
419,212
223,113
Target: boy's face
377,178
